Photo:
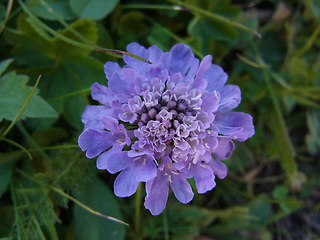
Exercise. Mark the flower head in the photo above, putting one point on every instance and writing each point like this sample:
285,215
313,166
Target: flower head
174,117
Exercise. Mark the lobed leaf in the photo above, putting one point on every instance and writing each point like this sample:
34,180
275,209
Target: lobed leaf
13,93
93,9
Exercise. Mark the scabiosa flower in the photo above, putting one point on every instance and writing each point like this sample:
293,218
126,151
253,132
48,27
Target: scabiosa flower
164,122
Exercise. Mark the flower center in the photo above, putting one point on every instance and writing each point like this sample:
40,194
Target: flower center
168,122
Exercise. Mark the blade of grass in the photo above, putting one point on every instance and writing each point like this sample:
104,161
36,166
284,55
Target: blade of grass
262,65
6,17
251,63
55,147
153,6
22,108
122,52
30,139
286,152
57,190
175,37
71,41
309,43
17,145
82,91
217,17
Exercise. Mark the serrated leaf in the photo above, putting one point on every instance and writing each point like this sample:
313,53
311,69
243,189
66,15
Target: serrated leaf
59,7
93,9
13,93
65,68
4,65
88,226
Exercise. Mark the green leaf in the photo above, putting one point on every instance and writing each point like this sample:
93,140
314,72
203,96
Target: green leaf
45,9
6,213
4,65
261,209
312,138
65,68
132,23
87,226
5,174
212,29
2,11
13,93
74,107
93,9
83,30
280,192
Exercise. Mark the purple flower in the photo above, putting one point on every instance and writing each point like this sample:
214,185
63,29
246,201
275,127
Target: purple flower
163,123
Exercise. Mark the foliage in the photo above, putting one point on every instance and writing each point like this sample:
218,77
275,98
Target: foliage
272,187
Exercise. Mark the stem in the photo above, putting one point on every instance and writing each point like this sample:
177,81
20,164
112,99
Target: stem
153,7
87,90
80,204
17,145
215,16
137,213
165,225
9,7
22,108
30,139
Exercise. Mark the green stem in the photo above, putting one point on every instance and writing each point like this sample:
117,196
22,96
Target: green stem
153,6
55,147
17,145
9,7
174,36
22,108
91,47
137,213
86,90
165,225
286,153
30,139
80,204
52,232
17,220
216,17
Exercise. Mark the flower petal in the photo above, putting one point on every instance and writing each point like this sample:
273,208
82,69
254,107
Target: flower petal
230,97
138,50
119,87
237,125
181,188
216,78
157,194
145,169
181,59
154,54
101,94
224,149
110,68
125,184
113,160
94,142
200,81
93,115
203,176
219,168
